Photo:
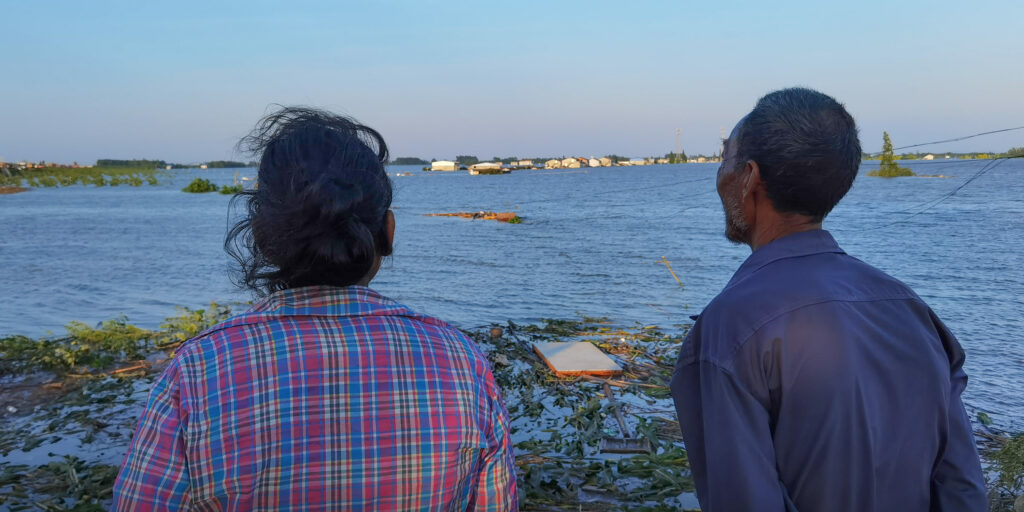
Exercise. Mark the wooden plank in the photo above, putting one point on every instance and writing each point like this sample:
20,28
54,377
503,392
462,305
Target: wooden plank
576,358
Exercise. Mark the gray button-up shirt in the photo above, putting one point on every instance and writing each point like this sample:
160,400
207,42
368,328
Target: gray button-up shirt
817,382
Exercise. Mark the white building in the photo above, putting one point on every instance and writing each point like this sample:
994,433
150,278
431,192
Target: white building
928,157
444,165
553,164
571,163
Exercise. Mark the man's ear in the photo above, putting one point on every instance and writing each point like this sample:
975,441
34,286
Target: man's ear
753,180
389,227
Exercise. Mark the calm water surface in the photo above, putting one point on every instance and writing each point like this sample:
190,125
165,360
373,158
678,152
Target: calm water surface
590,244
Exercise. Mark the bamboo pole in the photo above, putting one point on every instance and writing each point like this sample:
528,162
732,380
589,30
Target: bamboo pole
664,261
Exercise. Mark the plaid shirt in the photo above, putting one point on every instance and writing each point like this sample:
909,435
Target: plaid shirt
323,398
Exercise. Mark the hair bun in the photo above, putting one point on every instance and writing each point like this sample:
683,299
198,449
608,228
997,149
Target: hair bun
339,231
332,199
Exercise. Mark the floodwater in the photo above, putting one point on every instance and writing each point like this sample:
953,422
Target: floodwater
590,243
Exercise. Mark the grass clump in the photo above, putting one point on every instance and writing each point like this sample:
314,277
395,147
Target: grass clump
84,347
1007,466
200,186
52,177
85,486
895,172
231,189
190,322
97,348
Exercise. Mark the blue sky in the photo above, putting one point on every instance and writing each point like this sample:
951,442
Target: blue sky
183,81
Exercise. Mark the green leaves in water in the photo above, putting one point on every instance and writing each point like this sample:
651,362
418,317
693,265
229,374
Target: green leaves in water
200,186
559,422
86,346
96,348
85,485
1008,464
984,419
51,177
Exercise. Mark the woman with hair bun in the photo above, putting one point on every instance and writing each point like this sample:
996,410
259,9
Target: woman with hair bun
325,395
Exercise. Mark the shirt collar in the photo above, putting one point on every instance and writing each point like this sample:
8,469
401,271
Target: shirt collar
328,301
804,243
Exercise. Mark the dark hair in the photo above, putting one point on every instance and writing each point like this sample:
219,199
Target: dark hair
317,215
805,144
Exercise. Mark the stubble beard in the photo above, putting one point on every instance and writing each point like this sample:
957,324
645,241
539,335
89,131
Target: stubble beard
736,228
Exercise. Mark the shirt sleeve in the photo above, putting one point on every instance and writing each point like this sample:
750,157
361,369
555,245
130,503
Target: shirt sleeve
154,475
495,489
728,440
957,480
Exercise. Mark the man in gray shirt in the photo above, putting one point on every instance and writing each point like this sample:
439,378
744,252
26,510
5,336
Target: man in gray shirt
814,381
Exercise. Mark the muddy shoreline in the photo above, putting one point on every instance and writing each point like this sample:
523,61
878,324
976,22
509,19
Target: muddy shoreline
68,408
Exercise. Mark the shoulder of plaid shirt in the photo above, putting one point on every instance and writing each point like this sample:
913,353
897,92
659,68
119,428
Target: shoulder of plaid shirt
318,399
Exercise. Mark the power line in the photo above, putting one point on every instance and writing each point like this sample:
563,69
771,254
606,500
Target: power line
954,140
928,205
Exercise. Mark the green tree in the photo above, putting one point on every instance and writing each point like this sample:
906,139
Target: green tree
887,167
149,164
676,158
888,159
466,160
409,160
225,164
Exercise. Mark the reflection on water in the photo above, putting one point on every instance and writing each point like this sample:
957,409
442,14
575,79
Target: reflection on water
590,244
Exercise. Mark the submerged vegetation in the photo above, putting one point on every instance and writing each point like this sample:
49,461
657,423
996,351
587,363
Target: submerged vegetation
79,396
559,422
888,168
200,186
69,405
89,349
37,177
231,189
1006,455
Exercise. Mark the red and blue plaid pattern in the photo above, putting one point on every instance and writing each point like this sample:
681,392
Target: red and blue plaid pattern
323,398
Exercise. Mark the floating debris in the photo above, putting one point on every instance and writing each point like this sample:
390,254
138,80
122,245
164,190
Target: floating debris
74,419
567,359
509,217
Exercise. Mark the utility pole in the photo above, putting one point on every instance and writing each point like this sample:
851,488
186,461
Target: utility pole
679,147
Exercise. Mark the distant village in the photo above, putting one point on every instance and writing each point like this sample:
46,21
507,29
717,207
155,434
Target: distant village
575,162
472,164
